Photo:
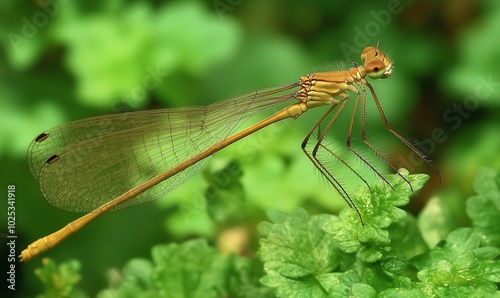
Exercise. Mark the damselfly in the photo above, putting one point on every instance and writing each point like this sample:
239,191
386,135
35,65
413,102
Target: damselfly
109,162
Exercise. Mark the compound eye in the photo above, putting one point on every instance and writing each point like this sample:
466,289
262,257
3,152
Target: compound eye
369,53
375,69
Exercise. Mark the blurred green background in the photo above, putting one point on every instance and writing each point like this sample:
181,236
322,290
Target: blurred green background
62,61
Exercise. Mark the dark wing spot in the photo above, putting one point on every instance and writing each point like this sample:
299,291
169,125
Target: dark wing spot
42,137
53,159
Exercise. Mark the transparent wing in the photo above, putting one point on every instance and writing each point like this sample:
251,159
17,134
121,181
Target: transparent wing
83,164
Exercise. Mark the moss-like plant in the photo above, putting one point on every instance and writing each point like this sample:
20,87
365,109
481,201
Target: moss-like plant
326,255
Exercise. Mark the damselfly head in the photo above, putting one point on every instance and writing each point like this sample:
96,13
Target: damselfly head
376,63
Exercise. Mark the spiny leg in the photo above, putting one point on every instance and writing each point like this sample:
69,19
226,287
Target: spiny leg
338,187
347,165
365,140
349,137
397,135
319,165
321,137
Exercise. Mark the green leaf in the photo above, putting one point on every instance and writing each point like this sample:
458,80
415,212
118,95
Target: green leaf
296,251
393,266
406,239
436,221
225,194
134,281
347,284
458,264
401,292
377,205
380,279
484,209
59,281
193,269
372,282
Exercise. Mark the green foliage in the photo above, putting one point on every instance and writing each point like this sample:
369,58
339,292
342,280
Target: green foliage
303,255
59,281
296,253
94,58
325,255
146,37
459,266
191,269
225,193
378,207
484,209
